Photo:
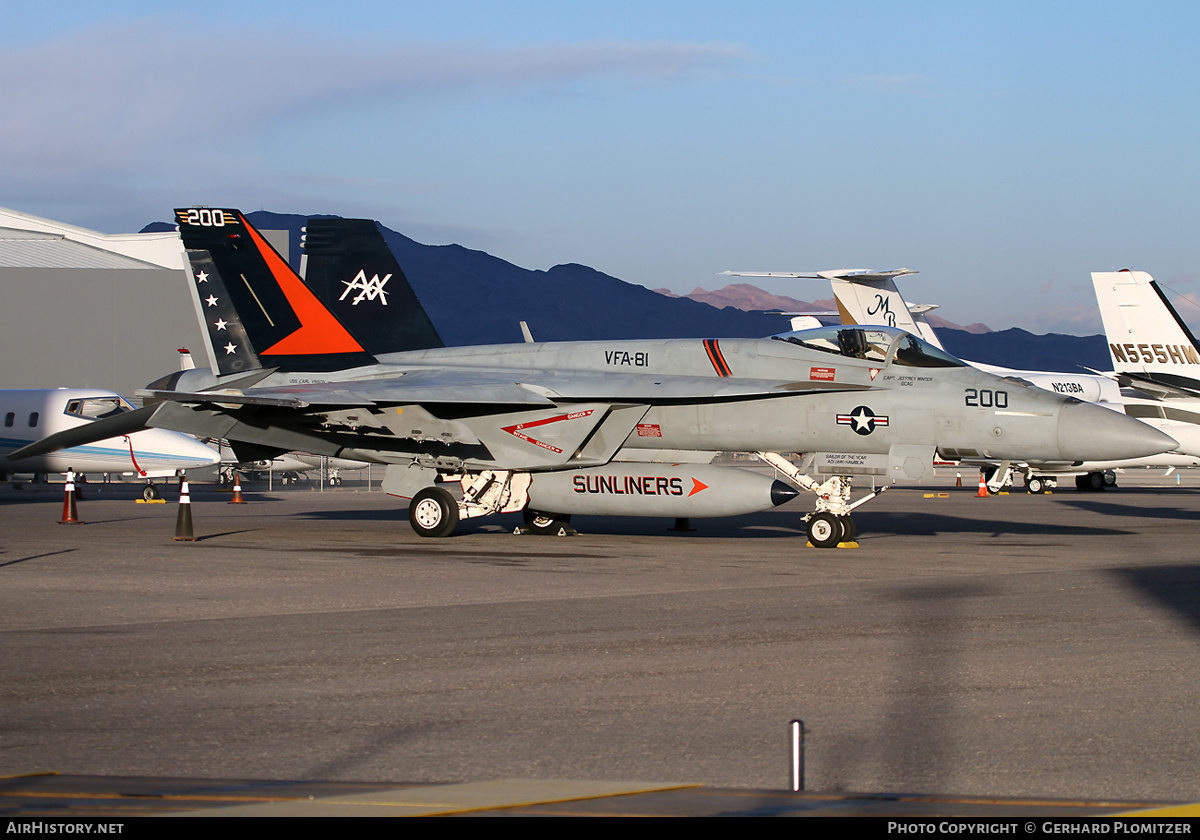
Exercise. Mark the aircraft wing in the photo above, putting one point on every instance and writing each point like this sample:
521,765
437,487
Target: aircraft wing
1160,386
421,386
435,386
856,274
480,409
521,419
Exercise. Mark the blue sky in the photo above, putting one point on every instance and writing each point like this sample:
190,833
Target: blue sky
1003,150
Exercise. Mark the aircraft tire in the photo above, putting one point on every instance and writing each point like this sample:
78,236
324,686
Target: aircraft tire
1110,478
433,513
824,530
849,529
1035,485
150,493
1095,481
544,523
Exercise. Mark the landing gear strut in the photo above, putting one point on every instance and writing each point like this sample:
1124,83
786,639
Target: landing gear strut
830,524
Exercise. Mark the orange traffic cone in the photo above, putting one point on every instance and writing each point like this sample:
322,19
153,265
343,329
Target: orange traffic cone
237,490
983,491
183,521
958,479
69,515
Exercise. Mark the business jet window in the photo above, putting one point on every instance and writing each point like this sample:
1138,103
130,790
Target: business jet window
33,419
96,408
9,419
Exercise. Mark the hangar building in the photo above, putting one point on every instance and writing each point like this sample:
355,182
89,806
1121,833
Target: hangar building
82,309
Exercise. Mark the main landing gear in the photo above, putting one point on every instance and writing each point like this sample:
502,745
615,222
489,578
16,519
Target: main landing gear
1038,484
1094,482
434,512
545,523
830,525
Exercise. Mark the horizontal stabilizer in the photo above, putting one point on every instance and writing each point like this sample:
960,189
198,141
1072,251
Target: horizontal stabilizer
222,398
115,426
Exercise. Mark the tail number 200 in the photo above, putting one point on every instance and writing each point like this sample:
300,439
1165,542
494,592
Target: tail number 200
985,398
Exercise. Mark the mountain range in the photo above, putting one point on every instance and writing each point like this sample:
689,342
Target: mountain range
473,297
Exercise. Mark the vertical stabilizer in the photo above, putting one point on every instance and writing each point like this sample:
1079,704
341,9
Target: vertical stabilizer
350,267
877,301
1146,337
255,311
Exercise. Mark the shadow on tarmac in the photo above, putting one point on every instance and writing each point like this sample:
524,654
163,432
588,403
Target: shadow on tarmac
1175,587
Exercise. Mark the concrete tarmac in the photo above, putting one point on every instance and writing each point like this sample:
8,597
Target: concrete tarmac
1022,646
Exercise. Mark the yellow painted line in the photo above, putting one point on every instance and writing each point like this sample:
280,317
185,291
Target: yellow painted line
1192,810
31,775
132,797
440,799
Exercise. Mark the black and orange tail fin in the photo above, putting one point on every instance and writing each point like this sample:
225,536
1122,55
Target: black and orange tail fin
349,266
254,309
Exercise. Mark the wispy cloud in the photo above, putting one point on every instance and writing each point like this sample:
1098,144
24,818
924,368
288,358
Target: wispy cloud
98,98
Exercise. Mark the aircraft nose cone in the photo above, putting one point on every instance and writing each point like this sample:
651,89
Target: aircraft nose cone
1088,432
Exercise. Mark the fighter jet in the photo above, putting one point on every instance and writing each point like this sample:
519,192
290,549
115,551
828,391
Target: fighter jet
552,429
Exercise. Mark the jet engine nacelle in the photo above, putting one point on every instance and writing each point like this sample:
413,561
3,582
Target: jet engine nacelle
1090,389
644,489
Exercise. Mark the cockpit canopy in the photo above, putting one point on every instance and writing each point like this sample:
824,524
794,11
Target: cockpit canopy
873,344
96,408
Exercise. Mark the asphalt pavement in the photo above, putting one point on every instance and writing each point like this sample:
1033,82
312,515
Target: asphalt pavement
1020,646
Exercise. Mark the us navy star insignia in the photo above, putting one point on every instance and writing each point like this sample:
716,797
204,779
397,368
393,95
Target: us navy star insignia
202,277
230,348
210,300
220,324
862,420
